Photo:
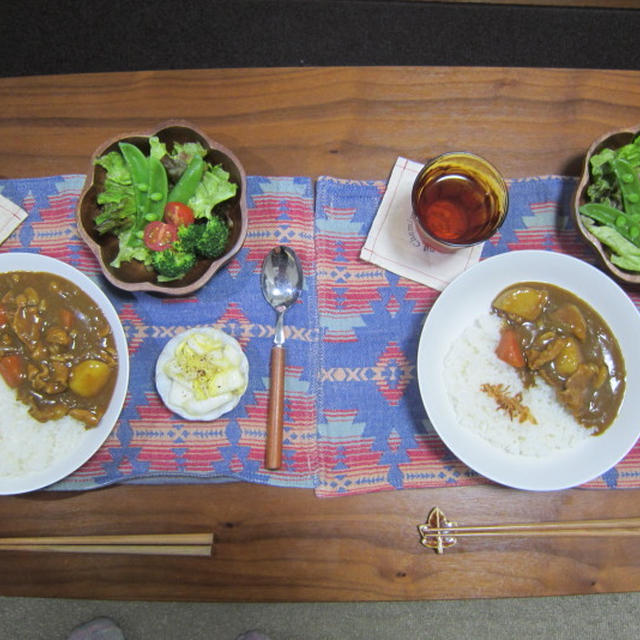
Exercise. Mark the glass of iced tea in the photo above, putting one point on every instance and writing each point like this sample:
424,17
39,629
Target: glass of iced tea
459,200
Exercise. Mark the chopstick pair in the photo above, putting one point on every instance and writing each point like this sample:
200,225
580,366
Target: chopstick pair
172,544
438,533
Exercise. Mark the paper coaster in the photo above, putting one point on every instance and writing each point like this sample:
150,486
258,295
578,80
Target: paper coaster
11,215
393,242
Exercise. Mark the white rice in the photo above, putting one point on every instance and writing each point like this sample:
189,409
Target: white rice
471,362
28,446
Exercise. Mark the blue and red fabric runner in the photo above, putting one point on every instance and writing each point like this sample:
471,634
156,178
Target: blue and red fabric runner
354,420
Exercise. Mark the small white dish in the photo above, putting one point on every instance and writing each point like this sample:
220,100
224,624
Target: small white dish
93,438
470,296
164,383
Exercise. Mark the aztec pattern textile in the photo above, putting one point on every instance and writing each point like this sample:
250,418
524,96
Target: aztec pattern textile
373,433
354,421
149,442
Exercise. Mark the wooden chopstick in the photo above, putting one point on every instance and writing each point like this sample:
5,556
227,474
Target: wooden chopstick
438,533
131,549
585,528
181,544
135,538
578,533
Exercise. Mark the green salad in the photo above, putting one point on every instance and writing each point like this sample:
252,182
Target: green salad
612,213
164,208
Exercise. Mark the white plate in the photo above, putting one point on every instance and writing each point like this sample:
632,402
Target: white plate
92,439
163,382
470,296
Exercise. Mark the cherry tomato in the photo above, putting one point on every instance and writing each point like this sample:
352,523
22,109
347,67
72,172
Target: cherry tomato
159,236
179,214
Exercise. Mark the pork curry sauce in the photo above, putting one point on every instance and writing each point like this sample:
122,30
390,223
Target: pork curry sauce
551,333
57,349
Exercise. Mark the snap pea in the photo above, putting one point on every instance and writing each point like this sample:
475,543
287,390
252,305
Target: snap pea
158,189
631,152
628,225
139,169
189,180
629,183
150,185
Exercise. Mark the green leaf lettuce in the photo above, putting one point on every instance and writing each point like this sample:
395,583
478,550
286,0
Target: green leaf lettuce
131,248
213,189
117,199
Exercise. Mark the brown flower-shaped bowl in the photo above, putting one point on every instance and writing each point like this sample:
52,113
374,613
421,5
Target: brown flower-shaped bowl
613,140
134,276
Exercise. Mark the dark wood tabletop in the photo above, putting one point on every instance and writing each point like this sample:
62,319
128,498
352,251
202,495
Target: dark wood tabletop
275,544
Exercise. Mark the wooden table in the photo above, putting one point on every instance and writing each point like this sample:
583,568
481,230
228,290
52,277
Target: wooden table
276,544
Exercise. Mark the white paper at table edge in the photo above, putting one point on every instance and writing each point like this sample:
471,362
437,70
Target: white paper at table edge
11,216
467,257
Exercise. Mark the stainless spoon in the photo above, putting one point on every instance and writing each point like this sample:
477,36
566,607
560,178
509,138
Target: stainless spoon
281,283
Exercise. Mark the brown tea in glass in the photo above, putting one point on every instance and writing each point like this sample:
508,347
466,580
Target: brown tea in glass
459,200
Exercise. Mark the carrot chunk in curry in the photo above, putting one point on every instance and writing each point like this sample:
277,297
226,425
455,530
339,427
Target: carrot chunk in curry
56,347
565,342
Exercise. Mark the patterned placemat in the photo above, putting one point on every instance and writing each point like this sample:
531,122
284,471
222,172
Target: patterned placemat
149,442
354,421
373,433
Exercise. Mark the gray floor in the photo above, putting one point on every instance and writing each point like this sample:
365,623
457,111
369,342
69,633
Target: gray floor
586,618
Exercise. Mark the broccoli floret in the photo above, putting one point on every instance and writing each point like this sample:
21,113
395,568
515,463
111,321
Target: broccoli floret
189,236
207,240
213,240
172,263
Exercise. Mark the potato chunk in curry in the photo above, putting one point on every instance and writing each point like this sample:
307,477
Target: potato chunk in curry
567,344
521,301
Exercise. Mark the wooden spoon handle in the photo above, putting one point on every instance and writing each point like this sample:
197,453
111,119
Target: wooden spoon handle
273,453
